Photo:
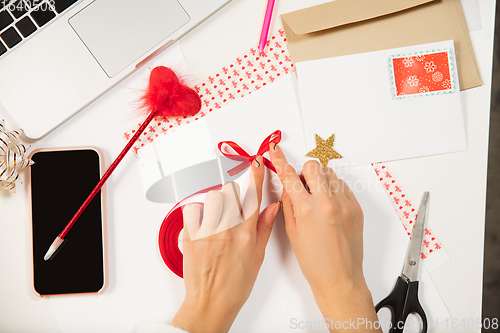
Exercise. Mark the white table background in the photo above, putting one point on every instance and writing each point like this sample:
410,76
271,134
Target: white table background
457,181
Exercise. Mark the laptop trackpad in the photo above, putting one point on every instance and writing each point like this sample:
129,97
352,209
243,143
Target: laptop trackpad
117,32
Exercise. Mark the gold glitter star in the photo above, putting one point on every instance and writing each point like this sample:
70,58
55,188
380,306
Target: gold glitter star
324,150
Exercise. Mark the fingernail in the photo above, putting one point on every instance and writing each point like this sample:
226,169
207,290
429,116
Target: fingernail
277,209
257,161
274,146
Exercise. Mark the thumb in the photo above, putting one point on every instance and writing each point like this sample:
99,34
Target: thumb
265,223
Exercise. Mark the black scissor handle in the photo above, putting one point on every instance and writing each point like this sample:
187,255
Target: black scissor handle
402,301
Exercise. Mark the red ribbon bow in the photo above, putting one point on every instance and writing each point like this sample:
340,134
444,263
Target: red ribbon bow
247,159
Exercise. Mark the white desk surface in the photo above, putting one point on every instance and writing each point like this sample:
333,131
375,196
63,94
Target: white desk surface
457,181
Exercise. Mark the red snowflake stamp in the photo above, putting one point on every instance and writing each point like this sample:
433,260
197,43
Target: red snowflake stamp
422,74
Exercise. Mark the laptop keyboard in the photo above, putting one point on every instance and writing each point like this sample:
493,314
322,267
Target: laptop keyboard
20,19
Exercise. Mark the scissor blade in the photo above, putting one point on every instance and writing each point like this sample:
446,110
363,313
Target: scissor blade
412,260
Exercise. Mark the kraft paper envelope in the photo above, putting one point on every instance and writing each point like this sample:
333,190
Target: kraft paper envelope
344,27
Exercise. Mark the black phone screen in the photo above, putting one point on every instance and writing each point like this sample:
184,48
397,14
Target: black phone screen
60,183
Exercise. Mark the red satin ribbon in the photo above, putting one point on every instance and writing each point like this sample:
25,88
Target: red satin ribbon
168,239
173,223
247,159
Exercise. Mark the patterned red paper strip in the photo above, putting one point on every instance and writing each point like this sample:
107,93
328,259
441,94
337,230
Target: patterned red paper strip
404,208
248,73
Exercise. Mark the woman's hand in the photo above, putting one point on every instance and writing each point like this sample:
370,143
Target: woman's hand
222,257
324,223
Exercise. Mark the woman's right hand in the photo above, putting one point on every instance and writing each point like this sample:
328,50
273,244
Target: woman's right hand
324,223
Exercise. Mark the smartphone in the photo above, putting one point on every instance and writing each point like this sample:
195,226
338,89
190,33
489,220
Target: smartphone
59,182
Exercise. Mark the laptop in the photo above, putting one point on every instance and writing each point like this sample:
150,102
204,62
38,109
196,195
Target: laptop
57,56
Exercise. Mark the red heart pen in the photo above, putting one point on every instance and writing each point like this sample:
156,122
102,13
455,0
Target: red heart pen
165,96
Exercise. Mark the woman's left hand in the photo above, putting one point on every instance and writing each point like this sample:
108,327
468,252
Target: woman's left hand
223,255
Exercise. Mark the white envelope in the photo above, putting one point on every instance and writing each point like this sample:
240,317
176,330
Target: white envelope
351,97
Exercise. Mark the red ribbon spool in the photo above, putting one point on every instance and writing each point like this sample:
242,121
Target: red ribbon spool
170,230
169,235
173,223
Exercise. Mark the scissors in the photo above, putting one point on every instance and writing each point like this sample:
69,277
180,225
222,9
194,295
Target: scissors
403,299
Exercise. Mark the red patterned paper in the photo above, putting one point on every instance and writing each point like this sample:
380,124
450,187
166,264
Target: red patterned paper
246,74
405,209
422,74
